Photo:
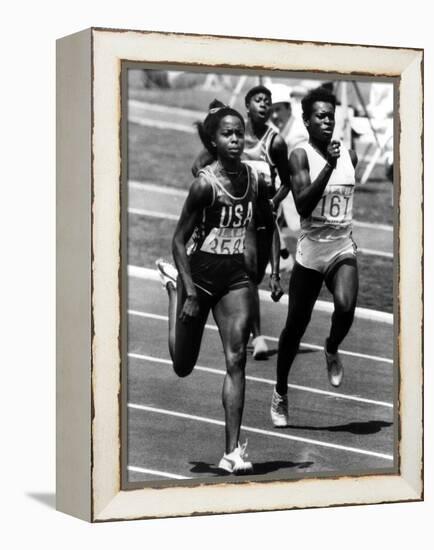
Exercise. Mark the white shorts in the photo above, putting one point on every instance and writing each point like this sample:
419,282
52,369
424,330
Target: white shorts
324,256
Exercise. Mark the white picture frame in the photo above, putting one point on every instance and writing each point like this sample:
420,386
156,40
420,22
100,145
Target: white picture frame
89,300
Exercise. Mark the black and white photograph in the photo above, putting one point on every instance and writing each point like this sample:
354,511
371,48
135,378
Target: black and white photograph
259,274
244,298
146,142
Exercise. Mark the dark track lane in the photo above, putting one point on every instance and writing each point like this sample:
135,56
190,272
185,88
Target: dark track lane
190,448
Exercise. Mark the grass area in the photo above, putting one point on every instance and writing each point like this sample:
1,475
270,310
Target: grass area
160,156
190,98
150,239
185,99
373,202
165,157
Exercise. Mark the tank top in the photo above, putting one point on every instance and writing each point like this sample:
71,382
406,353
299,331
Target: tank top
333,215
257,154
222,229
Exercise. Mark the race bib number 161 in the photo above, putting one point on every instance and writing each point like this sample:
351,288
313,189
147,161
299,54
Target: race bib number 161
335,207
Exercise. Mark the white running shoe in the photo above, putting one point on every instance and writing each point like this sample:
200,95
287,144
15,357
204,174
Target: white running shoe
335,368
234,462
279,410
260,348
167,271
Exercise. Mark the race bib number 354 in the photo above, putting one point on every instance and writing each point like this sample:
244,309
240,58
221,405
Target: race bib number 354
224,240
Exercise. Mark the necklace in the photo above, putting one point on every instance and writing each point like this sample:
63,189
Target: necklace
235,173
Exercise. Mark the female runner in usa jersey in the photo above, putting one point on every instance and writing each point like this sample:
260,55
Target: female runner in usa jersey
266,151
218,217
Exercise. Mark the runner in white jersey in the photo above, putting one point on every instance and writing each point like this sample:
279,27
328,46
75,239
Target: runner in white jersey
257,152
323,179
287,119
214,274
265,150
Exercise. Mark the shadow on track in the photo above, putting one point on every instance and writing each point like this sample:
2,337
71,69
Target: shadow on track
268,354
358,428
259,468
273,351
274,465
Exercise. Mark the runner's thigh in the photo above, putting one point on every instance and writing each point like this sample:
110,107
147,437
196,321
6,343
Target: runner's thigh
188,334
233,317
344,285
304,288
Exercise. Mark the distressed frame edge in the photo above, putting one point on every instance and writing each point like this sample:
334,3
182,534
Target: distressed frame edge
411,142
97,29
413,492
114,511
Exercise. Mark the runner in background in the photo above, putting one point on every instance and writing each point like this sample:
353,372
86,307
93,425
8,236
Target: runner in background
287,118
219,214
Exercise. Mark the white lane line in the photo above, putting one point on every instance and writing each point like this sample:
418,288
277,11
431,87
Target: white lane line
328,307
261,432
167,190
175,217
155,188
154,472
221,372
380,226
158,108
153,214
271,338
370,252
320,305
142,121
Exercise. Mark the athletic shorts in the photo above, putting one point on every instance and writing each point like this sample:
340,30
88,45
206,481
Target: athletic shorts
324,256
218,274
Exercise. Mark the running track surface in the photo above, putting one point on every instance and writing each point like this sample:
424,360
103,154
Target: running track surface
175,426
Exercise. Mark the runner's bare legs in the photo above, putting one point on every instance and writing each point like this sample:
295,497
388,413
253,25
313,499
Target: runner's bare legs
304,287
232,315
343,285
256,316
185,337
